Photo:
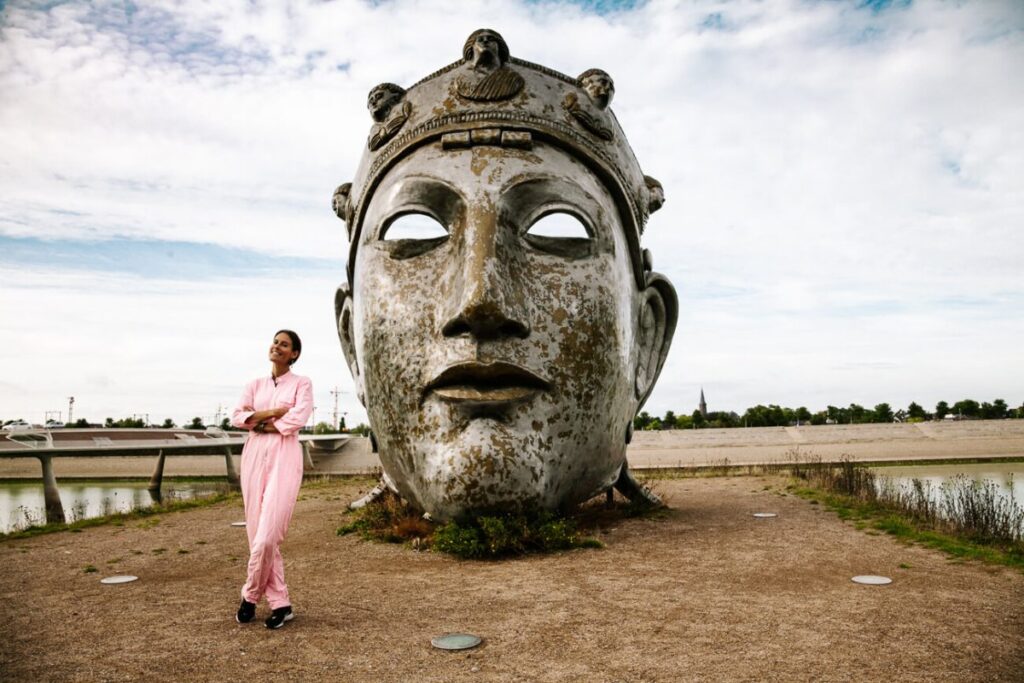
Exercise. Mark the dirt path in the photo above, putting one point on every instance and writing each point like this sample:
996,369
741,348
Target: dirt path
705,593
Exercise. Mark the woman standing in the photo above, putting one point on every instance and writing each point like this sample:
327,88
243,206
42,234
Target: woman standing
274,408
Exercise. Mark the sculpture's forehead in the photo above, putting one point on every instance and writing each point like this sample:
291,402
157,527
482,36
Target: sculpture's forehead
490,169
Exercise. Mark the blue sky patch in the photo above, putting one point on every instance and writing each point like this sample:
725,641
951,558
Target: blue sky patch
877,6
152,258
598,6
713,22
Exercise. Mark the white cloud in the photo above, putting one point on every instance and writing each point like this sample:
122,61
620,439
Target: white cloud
124,345
838,181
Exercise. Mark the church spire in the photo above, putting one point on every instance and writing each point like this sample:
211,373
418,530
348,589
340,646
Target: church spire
702,406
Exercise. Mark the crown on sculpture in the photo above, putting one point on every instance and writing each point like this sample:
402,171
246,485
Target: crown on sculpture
491,98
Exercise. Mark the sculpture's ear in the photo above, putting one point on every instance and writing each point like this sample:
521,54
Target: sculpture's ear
343,314
659,310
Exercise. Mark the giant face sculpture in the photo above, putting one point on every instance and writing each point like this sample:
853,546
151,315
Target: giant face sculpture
502,356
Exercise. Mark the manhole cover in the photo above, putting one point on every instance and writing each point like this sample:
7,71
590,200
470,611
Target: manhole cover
237,523
872,580
765,515
123,578
455,641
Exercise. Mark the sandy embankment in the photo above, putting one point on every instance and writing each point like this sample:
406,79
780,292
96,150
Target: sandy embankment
866,443
705,593
674,448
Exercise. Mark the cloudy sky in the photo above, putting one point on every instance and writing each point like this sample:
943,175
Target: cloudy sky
844,183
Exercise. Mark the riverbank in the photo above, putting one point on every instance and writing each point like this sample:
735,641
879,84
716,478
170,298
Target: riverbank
696,448
704,592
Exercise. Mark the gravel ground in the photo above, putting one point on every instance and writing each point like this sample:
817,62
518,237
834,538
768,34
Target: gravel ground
704,592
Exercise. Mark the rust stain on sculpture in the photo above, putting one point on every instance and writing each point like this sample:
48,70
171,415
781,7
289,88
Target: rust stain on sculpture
500,364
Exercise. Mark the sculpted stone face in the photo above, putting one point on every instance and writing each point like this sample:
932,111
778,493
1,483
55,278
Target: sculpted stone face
485,49
599,86
500,320
381,99
496,361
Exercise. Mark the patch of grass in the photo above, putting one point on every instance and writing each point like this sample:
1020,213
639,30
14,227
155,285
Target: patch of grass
89,569
392,520
147,515
159,551
182,551
114,560
460,541
968,523
506,535
389,519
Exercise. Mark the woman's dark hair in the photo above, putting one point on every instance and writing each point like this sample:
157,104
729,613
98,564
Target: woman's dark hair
296,343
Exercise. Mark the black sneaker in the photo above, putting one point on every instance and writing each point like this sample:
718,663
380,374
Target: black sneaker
246,611
279,616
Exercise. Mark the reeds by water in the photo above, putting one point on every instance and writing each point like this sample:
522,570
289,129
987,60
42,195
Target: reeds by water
976,510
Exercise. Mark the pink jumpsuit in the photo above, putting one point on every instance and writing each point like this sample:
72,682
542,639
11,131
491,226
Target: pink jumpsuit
271,476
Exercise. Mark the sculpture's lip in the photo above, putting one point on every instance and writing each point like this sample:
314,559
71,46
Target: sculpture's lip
496,382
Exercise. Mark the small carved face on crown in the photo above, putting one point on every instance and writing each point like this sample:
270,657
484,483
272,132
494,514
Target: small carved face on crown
599,86
655,194
382,98
485,49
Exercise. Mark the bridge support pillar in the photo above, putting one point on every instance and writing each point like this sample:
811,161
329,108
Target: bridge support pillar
230,466
51,496
158,476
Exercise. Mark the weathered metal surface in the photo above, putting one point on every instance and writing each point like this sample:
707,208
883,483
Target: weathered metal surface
119,579
501,367
456,641
872,580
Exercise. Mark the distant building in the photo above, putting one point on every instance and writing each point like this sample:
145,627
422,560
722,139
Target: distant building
702,406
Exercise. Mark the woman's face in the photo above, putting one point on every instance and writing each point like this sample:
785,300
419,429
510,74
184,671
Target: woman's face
281,350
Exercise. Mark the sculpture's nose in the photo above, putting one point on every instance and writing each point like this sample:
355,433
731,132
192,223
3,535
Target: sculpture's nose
490,301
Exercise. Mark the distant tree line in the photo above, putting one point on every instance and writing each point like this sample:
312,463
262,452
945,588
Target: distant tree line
757,416
779,416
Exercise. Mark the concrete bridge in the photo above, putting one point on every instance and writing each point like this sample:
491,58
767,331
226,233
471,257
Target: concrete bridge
138,445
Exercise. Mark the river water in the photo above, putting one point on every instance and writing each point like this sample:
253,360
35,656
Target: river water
22,504
1007,477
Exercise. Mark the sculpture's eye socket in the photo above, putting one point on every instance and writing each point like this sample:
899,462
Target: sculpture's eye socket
412,234
560,233
559,224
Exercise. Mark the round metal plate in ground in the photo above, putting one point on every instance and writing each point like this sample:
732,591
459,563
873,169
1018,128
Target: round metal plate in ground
765,515
122,578
872,580
237,523
455,641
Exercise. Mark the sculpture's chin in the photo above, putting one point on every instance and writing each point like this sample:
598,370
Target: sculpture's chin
491,467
